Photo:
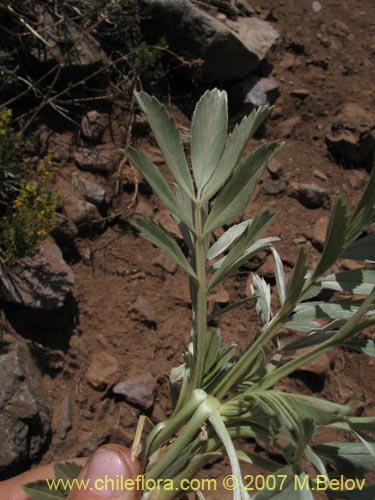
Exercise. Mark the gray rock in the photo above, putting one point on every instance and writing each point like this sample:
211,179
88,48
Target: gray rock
352,135
229,51
41,281
65,231
103,158
310,195
93,125
81,213
92,192
24,413
139,391
254,92
272,187
300,93
102,370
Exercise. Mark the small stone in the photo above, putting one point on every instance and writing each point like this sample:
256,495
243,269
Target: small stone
275,169
310,195
164,218
300,93
165,263
138,391
102,370
253,91
144,309
93,125
316,6
92,192
319,366
357,179
104,159
286,128
144,208
65,231
274,186
221,16
288,61
319,232
80,212
62,419
320,175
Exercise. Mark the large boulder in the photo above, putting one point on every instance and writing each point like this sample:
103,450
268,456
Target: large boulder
41,281
24,413
228,51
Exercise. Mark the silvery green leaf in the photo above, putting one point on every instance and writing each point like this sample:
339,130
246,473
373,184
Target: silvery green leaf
158,183
290,490
357,281
156,234
208,134
213,349
343,309
168,139
347,456
227,239
279,275
297,279
362,346
234,148
321,335
236,193
315,461
217,423
252,250
244,248
302,325
362,249
322,412
258,460
263,305
335,239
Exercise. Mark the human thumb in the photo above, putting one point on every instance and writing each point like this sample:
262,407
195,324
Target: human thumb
109,474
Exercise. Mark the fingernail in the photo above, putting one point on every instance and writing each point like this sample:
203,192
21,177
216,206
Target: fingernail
106,473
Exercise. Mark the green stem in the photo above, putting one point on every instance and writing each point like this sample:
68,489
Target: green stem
199,303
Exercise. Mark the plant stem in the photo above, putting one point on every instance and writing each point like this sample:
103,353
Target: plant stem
199,303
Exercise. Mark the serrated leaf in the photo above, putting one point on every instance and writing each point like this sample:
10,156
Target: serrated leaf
168,139
263,304
67,470
362,249
208,134
156,234
158,183
236,193
39,490
362,346
234,148
229,237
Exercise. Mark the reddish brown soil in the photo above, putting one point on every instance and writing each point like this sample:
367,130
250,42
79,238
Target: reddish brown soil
341,38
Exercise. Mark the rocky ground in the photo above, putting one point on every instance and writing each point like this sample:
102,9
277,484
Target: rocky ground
105,356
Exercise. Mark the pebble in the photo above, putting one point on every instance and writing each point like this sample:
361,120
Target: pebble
319,231
300,93
316,6
144,309
275,169
273,187
102,370
310,195
139,391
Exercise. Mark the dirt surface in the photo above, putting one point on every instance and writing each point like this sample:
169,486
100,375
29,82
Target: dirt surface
134,305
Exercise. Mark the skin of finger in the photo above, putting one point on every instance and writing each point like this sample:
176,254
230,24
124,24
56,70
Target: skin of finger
133,470
11,489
